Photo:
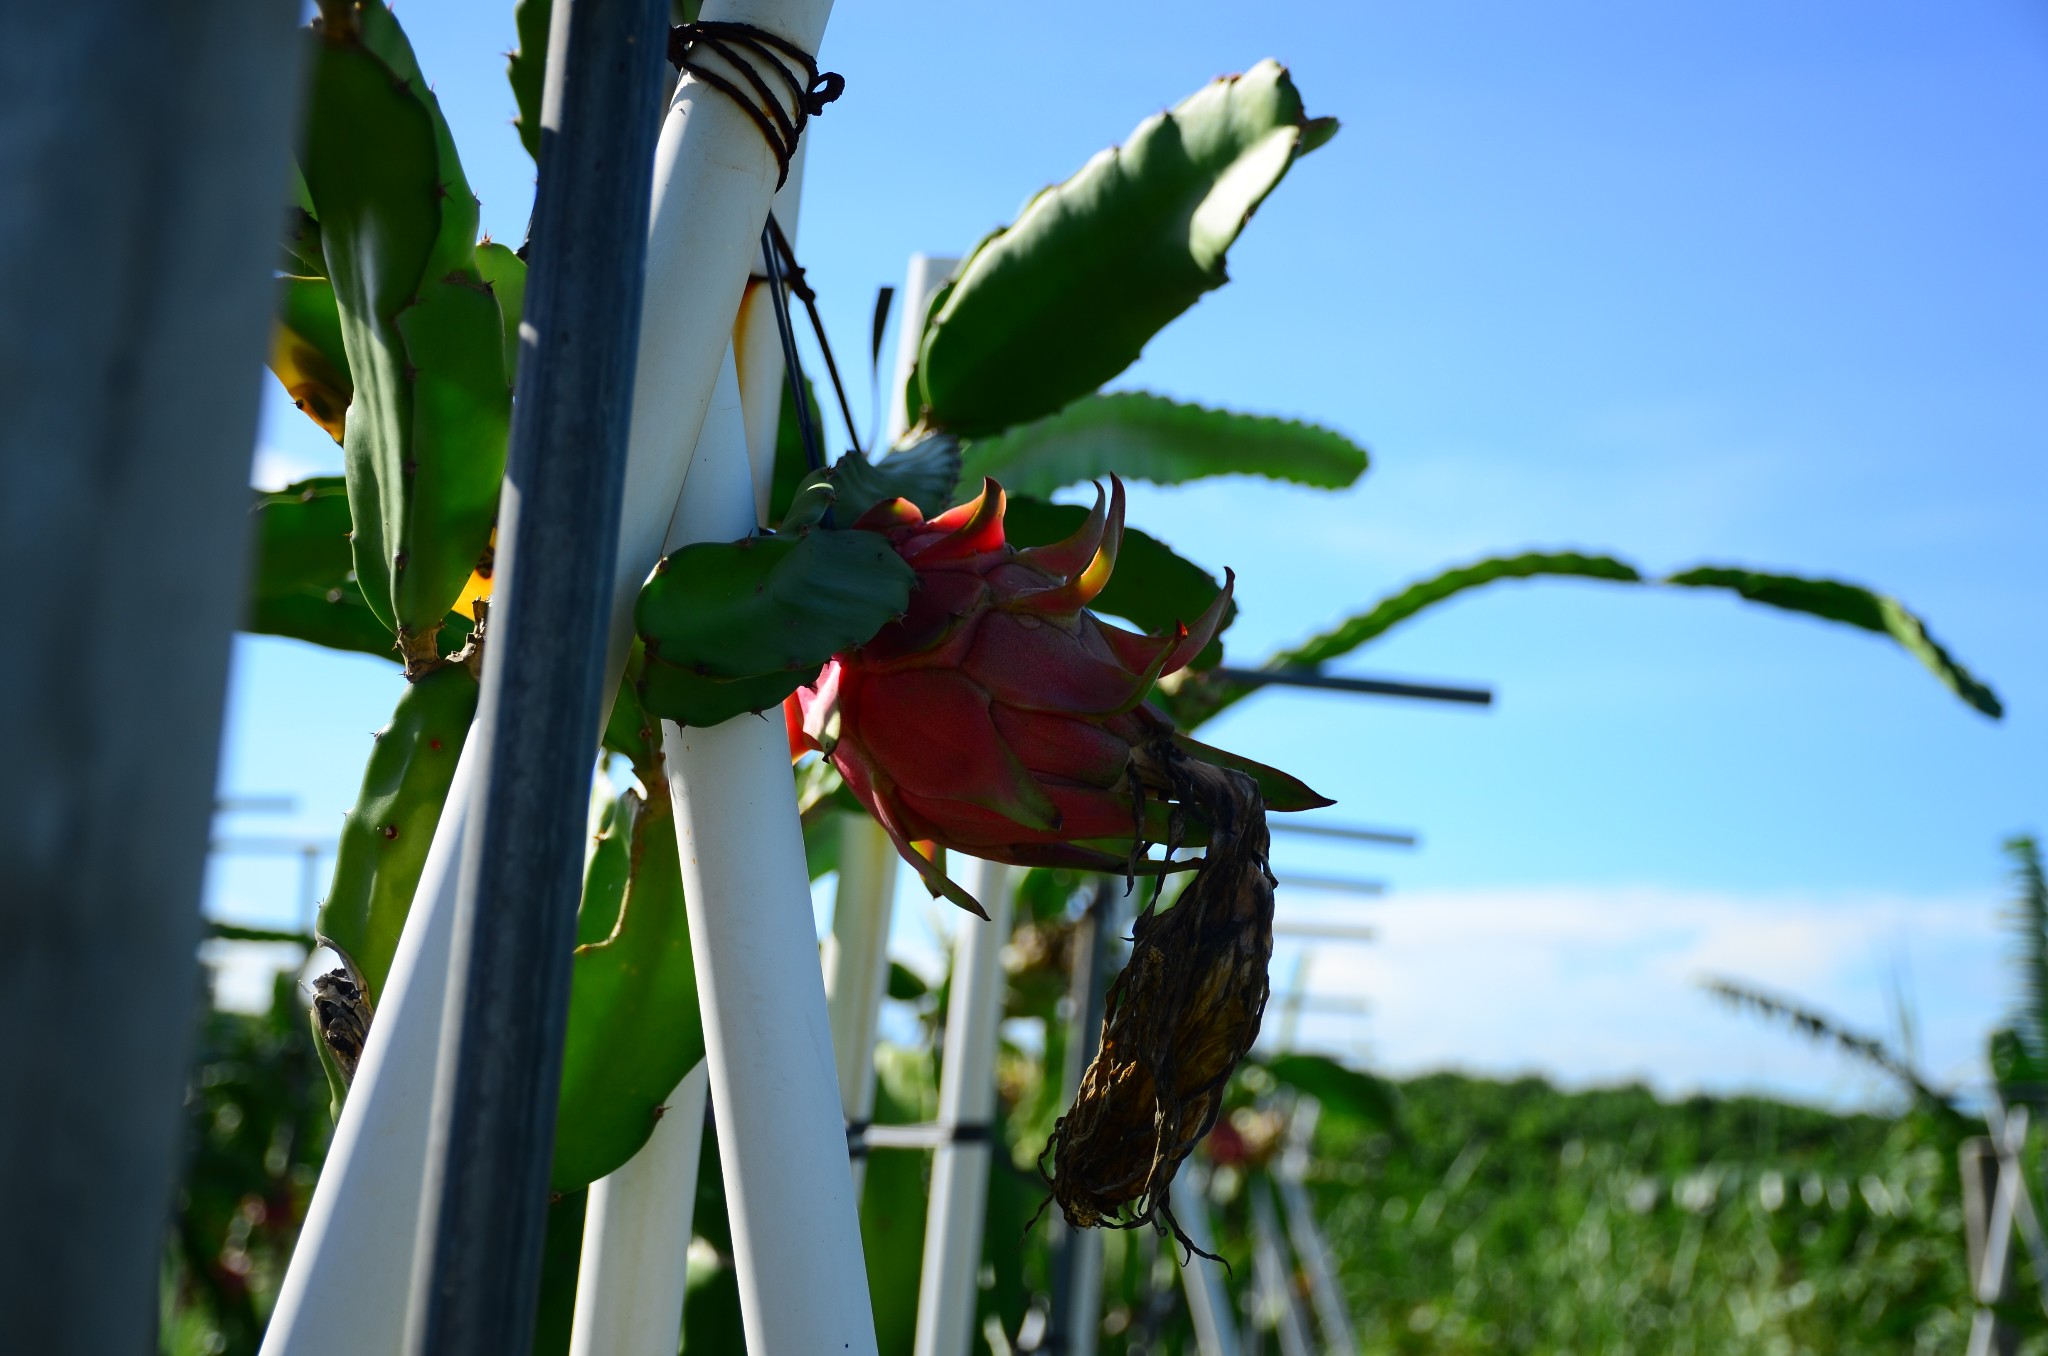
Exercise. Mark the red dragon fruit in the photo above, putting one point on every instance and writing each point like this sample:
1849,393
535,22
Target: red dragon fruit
999,717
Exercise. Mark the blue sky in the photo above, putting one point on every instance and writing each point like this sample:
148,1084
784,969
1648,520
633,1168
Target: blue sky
1729,283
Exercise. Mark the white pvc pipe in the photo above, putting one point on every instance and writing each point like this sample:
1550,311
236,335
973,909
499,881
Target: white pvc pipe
928,273
1271,1278
967,1096
856,965
856,956
636,1237
716,177
346,1288
636,1232
1208,1301
796,1236
713,179
1333,1314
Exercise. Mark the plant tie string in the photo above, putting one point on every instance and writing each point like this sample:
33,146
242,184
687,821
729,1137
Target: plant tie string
750,51
814,451
782,259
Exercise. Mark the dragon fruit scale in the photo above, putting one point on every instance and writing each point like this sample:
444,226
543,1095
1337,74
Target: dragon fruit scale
1001,718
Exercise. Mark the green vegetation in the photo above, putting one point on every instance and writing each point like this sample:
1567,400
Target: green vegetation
1491,1217
257,1127
1512,1217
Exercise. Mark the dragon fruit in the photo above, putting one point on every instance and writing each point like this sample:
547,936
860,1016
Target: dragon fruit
999,717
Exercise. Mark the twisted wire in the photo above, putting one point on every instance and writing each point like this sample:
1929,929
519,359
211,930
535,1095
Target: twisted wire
751,51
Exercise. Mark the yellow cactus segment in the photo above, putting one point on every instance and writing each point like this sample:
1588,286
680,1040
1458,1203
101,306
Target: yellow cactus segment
479,585
310,380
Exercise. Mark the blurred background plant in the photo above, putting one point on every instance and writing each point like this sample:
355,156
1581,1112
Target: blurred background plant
257,1126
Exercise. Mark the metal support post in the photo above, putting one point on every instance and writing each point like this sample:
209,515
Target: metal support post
483,1210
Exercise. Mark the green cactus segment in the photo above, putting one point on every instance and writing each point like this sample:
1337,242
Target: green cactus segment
504,272
1168,442
1389,612
1152,586
792,468
924,473
385,837
731,627
307,353
424,336
554,1319
526,68
630,731
604,875
301,586
1201,698
1852,605
1280,791
1053,305
634,1028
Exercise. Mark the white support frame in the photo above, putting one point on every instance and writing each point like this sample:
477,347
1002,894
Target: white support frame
346,1289
856,956
958,1206
782,1145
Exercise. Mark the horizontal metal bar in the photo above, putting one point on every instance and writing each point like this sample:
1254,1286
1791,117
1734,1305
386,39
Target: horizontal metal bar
237,932
283,847
256,805
1337,883
1376,687
1326,1006
1393,837
1286,927
929,1135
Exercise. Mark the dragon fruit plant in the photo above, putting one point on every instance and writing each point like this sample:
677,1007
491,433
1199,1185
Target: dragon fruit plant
396,333
939,634
1000,717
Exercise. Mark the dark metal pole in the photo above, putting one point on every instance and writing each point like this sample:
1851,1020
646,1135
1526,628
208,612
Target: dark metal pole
143,158
1377,687
483,1213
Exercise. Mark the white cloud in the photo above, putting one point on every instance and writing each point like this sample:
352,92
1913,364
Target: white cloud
1601,984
